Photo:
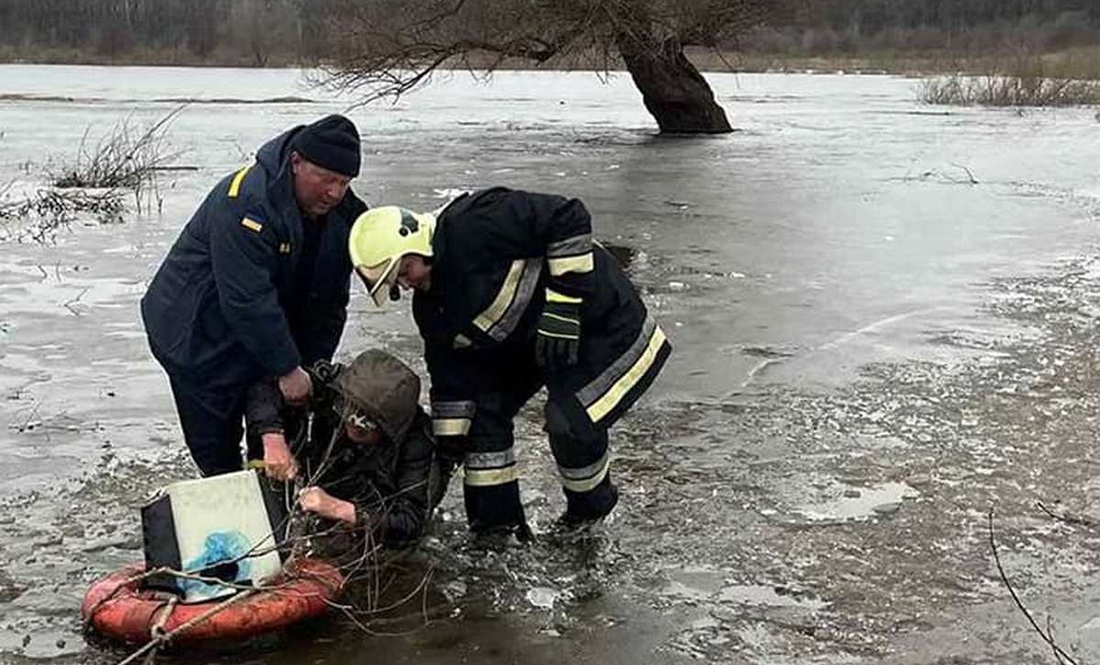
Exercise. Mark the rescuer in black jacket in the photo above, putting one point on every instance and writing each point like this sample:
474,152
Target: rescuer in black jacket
511,294
256,286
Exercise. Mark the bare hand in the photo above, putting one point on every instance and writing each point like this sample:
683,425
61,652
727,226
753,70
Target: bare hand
279,463
296,387
319,502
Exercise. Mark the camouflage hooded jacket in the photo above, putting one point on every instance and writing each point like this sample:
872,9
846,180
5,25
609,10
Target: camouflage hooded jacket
394,485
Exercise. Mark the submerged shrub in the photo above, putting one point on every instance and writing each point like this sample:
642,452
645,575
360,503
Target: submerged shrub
125,161
1027,81
93,185
40,216
126,158
995,90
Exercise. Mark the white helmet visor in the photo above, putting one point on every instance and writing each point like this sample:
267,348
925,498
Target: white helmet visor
379,279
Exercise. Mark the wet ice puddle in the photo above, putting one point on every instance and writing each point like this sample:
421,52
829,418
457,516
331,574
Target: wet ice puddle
704,584
860,503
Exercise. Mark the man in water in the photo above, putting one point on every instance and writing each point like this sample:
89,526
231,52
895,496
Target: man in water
368,461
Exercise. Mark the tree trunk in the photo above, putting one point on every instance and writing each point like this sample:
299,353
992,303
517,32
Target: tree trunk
673,90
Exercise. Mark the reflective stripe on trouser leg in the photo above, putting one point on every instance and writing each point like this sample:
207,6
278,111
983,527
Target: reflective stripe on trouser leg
452,418
489,469
583,463
585,478
490,485
490,490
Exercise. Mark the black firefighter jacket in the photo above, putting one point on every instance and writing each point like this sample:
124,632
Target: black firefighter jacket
221,311
496,253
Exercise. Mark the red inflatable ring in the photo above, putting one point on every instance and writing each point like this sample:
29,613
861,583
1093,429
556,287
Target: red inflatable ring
117,608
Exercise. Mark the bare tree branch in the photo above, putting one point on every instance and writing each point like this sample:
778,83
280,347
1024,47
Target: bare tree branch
1059,653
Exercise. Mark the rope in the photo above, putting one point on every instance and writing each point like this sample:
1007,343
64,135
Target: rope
164,638
157,628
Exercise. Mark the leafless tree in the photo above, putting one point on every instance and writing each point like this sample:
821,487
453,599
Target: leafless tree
388,47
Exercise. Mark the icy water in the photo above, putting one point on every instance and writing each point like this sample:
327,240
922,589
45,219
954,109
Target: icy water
883,316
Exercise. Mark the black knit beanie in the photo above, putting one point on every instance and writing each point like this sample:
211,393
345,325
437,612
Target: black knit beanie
333,143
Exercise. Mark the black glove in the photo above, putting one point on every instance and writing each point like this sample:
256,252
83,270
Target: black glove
559,331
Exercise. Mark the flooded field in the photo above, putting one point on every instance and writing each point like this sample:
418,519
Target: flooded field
884,321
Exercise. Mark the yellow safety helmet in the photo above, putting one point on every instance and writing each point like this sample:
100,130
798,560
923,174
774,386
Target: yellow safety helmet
380,238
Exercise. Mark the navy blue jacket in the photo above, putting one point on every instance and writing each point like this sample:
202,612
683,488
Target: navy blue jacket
220,313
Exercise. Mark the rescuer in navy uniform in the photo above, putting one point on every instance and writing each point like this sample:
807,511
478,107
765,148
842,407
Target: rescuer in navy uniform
256,286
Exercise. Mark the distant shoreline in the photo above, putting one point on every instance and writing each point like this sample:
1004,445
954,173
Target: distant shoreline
1085,61
1078,62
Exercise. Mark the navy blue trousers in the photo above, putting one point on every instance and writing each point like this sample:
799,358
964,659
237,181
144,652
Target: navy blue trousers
213,436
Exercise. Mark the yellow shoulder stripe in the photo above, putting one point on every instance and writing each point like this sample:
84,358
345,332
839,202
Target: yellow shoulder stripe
579,264
252,224
554,296
235,186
